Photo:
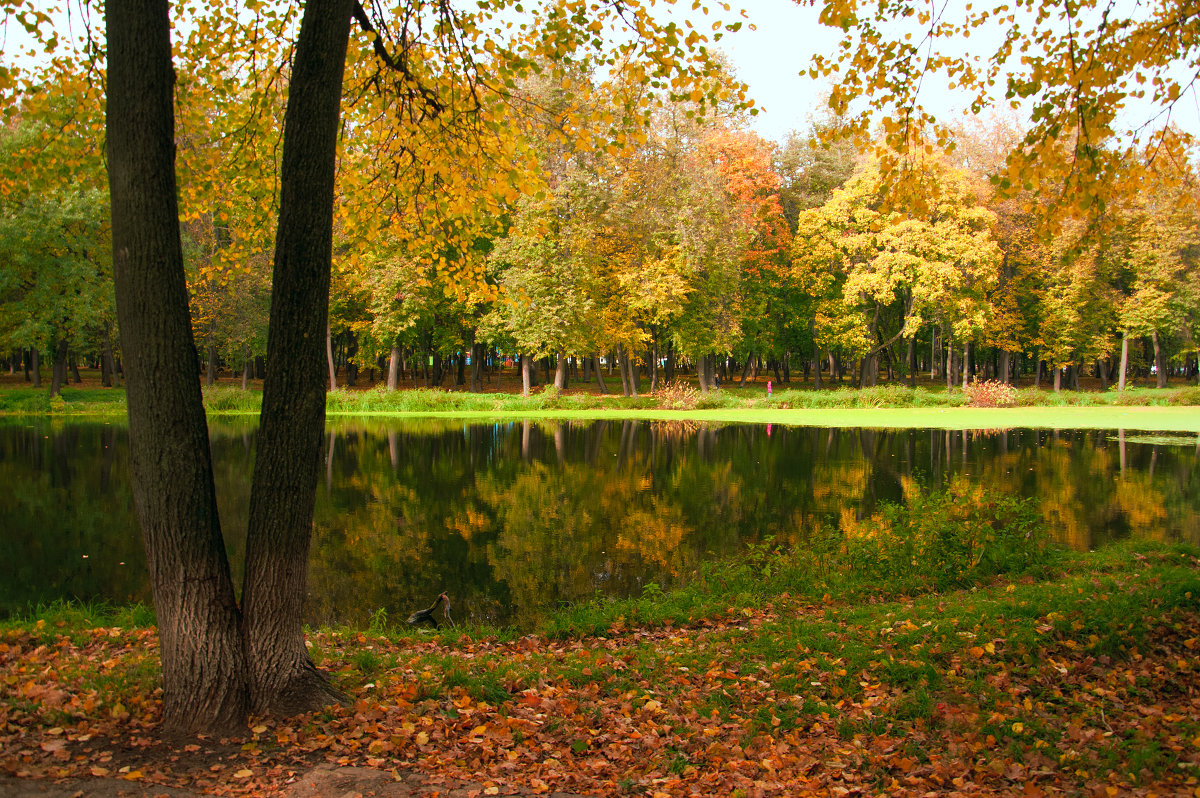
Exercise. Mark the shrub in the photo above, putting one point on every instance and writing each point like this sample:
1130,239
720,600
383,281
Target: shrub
228,399
678,396
949,539
892,395
991,393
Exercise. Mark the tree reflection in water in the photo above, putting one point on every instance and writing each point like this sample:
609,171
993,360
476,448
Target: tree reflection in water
510,518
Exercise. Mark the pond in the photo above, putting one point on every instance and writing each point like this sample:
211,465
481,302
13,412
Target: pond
511,518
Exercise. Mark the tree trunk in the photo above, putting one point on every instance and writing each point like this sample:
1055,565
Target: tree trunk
1160,362
203,665
247,367
477,355
108,376
560,373
1124,360
58,374
912,361
393,365
526,374
966,365
599,374
210,375
73,364
330,362
620,358
283,680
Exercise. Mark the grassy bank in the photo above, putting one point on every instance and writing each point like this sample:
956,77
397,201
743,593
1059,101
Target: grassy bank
940,649
1175,409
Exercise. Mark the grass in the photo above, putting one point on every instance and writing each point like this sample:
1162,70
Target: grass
888,406
1017,648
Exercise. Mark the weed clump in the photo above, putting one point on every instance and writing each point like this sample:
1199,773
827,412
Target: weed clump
990,393
678,396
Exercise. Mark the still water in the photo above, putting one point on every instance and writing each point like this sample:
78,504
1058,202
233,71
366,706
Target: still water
511,518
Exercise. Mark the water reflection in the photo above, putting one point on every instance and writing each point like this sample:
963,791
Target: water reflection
513,517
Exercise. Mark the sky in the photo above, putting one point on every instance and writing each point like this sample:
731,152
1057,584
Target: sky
773,52
771,58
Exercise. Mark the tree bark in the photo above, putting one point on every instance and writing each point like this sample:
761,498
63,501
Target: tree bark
393,366
283,679
211,370
204,669
1124,360
1160,362
330,362
526,374
560,373
477,356
599,375
58,374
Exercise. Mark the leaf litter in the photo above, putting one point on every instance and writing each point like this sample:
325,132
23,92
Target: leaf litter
1085,686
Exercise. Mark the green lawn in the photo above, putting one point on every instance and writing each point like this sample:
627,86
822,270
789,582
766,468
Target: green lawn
1167,410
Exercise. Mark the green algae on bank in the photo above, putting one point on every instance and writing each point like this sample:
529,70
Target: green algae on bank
1150,419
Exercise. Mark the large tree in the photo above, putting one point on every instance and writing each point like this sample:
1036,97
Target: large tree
218,663
220,660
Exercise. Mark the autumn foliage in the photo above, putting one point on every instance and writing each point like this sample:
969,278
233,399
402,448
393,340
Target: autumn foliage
1079,684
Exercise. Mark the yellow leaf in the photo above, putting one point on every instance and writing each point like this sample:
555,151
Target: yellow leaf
244,773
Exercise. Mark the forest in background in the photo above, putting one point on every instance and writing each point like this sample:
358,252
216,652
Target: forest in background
575,220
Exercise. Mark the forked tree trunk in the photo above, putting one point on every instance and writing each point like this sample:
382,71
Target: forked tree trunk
216,670
203,666
631,370
620,357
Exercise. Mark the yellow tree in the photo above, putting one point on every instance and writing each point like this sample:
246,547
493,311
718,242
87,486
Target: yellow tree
1097,81
882,273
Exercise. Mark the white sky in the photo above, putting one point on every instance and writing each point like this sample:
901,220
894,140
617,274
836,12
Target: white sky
772,58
